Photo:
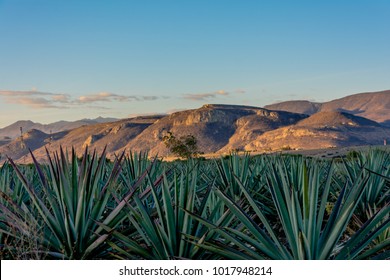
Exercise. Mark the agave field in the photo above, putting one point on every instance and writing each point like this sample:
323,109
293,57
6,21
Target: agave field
237,207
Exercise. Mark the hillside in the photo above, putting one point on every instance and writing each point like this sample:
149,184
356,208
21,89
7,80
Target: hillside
216,127
370,105
296,106
219,129
18,148
322,130
12,131
248,128
114,135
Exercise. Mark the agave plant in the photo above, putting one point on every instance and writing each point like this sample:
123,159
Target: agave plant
69,202
266,207
307,230
135,165
376,162
231,167
160,222
12,197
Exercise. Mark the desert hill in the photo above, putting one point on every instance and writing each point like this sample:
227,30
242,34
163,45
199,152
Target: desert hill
114,135
334,119
215,126
221,129
20,146
370,105
296,106
12,131
322,130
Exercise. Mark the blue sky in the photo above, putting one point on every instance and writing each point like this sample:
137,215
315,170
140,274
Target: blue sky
73,59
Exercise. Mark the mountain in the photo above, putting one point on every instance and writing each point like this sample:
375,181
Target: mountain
322,130
100,120
296,106
248,128
18,148
114,135
371,105
218,128
12,131
215,127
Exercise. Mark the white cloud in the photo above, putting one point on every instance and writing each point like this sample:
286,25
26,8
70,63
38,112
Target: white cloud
35,102
242,91
110,97
35,99
206,96
99,97
38,100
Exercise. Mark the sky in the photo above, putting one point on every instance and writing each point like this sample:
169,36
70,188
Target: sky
75,59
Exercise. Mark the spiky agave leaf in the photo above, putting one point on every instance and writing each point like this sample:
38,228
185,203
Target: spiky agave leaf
300,207
161,217
74,196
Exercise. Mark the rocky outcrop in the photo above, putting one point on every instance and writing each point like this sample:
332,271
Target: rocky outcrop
320,131
92,139
250,127
218,127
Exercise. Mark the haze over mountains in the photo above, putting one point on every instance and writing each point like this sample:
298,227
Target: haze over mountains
358,119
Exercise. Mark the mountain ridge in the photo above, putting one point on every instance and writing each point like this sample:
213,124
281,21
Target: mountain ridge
219,129
371,105
14,130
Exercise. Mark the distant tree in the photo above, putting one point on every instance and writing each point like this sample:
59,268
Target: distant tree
184,146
